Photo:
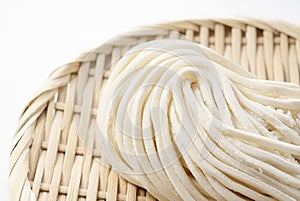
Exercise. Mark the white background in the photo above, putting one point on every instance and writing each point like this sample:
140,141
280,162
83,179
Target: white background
37,37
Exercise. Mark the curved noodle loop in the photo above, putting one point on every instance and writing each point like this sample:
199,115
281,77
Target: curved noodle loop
187,124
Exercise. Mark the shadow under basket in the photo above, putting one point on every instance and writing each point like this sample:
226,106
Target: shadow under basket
48,160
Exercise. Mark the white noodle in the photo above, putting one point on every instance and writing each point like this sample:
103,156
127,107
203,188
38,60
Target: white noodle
187,124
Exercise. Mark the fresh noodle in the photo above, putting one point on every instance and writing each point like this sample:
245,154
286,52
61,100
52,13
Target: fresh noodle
187,124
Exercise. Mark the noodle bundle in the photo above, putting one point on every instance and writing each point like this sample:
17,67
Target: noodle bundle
187,124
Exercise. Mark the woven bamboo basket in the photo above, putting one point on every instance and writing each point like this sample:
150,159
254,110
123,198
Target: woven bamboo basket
49,162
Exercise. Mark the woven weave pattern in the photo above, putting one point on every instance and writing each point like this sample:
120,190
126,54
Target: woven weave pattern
48,160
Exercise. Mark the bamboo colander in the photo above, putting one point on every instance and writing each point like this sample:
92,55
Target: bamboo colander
49,162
